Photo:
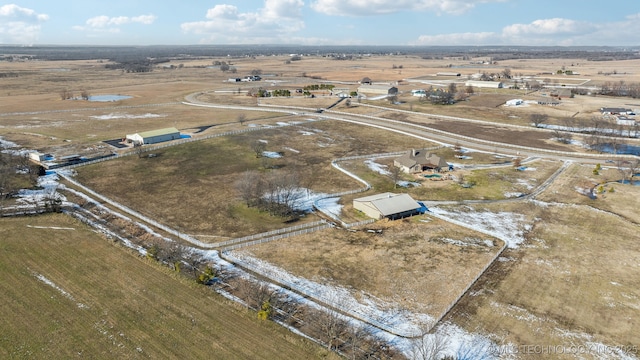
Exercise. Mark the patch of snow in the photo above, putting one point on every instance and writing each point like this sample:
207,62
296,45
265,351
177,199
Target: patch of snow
112,116
506,226
510,195
306,133
363,306
406,184
50,227
292,150
379,168
60,290
271,154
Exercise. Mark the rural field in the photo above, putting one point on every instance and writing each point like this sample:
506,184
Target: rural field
562,252
69,293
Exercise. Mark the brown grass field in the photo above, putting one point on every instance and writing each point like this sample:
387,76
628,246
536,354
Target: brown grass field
69,293
413,264
574,281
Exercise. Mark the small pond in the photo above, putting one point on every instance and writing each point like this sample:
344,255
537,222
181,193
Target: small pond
620,149
634,182
108,98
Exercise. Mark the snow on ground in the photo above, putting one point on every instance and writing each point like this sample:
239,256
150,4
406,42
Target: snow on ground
506,226
366,307
292,149
48,185
510,195
64,293
305,199
406,184
9,147
113,116
379,168
306,133
271,154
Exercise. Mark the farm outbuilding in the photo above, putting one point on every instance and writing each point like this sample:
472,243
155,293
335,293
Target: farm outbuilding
378,90
484,84
154,136
418,160
388,205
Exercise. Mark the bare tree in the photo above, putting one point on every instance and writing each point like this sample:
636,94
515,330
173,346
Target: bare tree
66,94
84,94
332,327
627,169
258,147
538,119
428,347
242,118
477,348
395,172
248,185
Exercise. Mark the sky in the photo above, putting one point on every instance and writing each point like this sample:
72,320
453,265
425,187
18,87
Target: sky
321,22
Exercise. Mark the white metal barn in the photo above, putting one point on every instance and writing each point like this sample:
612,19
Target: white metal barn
387,205
154,136
484,84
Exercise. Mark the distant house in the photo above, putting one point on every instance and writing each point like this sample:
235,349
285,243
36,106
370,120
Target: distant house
448,74
418,160
484,84
561,93
153,136
615,111
514,102
378,90
387,205
623,120
342,92
419,92
37,156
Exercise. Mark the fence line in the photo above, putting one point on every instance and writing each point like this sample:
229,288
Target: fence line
475,279
276,237
268,233
319,296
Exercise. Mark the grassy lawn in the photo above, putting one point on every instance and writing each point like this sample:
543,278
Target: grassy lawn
192,186
414,263
575,281
67,292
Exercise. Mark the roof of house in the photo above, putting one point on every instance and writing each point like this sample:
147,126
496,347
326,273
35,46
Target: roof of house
421,157
390,203
158,132
364,88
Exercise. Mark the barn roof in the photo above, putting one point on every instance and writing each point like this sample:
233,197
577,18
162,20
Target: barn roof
390,203
159,132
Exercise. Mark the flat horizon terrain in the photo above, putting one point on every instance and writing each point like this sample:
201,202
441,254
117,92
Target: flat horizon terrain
572,276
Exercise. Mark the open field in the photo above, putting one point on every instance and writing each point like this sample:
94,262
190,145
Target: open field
573,281
66,292
193,186
413,263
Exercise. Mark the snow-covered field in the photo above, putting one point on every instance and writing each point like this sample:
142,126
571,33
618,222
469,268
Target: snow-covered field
506,226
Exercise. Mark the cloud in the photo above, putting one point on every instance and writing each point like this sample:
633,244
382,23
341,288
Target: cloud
104,21
378,7
106,24
275,22
547,32
20,25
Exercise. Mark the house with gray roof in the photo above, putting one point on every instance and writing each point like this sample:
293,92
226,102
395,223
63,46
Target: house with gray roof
419,160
